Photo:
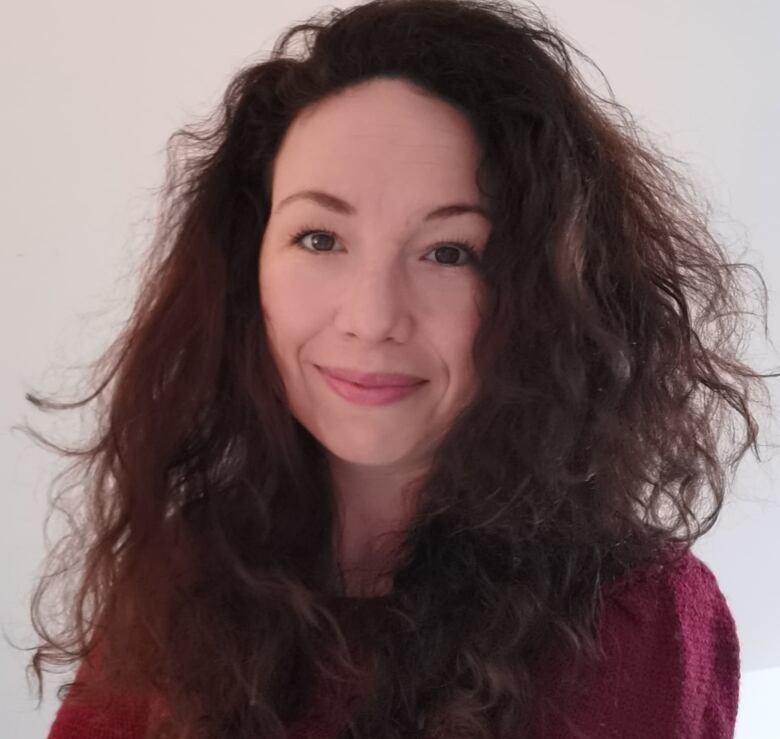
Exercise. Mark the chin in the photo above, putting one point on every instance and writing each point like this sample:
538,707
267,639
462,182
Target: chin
378,453
369,458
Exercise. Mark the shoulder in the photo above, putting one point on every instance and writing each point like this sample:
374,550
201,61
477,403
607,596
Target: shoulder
117,720
117,717
683,594
671,663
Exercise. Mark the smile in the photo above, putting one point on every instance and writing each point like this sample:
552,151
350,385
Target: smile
362,395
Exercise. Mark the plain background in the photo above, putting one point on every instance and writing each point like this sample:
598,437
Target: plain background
91,91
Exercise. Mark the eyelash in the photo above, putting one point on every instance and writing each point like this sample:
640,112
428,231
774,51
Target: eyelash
466,246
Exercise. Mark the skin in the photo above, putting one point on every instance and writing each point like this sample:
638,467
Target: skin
383,298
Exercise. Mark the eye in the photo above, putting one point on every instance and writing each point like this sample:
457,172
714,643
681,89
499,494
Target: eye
451,250
318,242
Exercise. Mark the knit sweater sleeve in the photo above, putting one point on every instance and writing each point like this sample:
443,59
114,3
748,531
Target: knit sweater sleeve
671,666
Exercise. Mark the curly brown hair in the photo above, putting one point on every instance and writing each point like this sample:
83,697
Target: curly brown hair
200,553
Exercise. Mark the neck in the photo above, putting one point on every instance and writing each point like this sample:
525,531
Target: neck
373,509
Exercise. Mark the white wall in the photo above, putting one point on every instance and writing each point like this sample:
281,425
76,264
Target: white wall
91,90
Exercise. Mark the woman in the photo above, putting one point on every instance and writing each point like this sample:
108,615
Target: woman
418,415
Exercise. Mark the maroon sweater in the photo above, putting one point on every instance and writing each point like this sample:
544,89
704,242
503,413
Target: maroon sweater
672,671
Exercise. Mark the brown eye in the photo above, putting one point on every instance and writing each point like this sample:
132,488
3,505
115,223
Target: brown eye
319,240
322,242
451,254
452,249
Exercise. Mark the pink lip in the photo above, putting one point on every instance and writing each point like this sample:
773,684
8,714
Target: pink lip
372,379
362,395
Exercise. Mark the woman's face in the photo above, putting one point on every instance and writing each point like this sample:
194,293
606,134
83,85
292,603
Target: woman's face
384,292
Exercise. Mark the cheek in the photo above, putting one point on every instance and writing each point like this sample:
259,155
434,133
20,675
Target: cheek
275,301
452,331
280,296
458,316
290,290
292,313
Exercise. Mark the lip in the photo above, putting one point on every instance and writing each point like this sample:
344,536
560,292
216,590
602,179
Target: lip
371,396
372,379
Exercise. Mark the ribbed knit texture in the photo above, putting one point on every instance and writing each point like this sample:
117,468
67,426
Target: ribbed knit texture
672,671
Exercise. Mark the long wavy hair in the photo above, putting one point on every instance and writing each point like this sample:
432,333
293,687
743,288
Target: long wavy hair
199,555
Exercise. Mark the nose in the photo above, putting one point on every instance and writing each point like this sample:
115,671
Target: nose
376,303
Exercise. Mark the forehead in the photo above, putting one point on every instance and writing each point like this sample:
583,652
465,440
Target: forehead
383,139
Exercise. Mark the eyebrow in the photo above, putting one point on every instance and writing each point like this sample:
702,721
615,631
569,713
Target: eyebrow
342,206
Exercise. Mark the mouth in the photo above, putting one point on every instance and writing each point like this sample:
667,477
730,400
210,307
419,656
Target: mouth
372,379
368,395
